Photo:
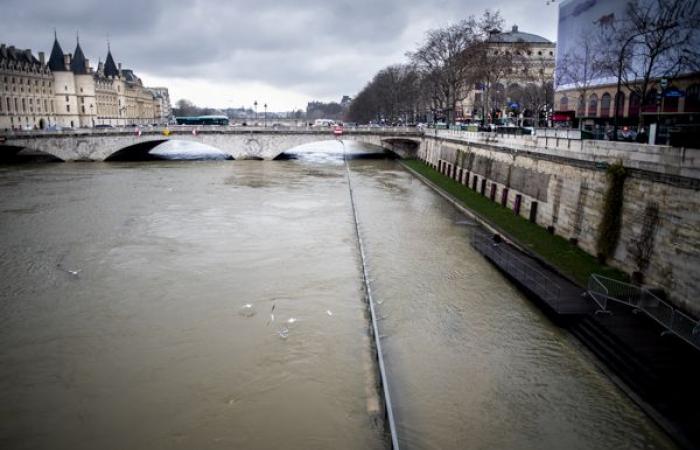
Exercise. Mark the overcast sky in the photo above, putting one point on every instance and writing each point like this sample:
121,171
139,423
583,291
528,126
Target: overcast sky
228,53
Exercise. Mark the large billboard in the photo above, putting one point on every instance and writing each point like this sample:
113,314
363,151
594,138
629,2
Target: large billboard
583,21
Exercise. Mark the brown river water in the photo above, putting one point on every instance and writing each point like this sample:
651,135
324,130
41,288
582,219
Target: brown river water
136,304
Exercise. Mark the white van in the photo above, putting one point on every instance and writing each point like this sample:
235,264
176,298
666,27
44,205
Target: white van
323,123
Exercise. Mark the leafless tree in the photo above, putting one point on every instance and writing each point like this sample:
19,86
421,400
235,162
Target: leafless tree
654,39
581,67
444,58
393,96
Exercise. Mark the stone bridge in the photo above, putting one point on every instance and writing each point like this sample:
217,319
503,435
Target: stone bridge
240,143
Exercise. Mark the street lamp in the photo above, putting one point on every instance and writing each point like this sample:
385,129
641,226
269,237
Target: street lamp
255,105
91,116
265,106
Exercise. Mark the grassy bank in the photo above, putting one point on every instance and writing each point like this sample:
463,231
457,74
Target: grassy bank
557,251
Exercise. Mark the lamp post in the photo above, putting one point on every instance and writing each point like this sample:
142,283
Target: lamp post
92,118
255,106
265,106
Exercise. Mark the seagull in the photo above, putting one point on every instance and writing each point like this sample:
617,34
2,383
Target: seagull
69,271
328,311
291,320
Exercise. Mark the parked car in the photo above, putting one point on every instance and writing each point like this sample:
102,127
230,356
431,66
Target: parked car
103,125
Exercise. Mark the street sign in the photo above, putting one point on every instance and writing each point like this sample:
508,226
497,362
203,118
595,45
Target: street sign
338,130
673,92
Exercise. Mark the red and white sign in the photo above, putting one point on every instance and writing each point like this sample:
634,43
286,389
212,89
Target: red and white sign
138,132
338,130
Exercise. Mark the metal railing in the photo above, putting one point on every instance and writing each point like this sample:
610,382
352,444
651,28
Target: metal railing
526,272
603,290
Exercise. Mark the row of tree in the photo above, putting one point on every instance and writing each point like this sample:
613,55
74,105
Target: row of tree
446,66
654,39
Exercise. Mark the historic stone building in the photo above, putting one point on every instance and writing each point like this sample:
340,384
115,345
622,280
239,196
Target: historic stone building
522,69
67,92
26,90
162,97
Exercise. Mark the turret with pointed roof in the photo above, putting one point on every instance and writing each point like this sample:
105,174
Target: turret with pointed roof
110,67
56,62
78,64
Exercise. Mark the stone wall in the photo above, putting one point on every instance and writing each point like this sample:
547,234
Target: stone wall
567,194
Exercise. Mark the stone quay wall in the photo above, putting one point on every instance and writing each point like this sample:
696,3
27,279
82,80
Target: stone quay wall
561,183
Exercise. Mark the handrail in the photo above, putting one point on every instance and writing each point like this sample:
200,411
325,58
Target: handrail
673,320
383,378
521,269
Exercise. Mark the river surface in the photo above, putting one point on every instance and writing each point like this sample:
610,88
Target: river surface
219,305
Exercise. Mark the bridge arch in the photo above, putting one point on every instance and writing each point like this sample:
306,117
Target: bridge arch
143,151
15,153
136,152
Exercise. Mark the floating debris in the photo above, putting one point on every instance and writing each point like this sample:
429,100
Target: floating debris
272,315
247,310
328,311
74,273
291,320
283,333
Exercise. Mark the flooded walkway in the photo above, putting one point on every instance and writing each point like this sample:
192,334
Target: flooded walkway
473,363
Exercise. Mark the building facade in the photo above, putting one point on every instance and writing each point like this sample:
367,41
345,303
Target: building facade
67,92
521,77
163,104
26,90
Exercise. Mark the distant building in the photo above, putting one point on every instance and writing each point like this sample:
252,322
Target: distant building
532,66
162,97
67,92
26,90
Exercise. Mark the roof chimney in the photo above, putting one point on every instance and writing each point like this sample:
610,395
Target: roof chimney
119,68
66,60
41,58
515,28
87,65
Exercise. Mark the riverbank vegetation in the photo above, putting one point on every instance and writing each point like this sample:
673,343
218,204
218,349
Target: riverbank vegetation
557,251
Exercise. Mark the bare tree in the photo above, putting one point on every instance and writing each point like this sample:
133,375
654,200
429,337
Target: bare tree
655,39
581,67
492,67
393,96
444,58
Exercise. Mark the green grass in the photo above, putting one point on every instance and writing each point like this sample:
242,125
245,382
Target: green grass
557,251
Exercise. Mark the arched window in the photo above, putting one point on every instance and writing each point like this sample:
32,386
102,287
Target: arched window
649,101
605,101
581,107
692,98
633,110
592,105
620,109
564,103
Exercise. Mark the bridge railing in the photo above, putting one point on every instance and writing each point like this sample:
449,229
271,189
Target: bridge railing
149,129
603,290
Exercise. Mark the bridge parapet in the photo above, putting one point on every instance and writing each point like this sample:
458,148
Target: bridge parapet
98,144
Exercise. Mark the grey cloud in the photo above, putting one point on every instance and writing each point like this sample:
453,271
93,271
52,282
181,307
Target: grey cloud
321,48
